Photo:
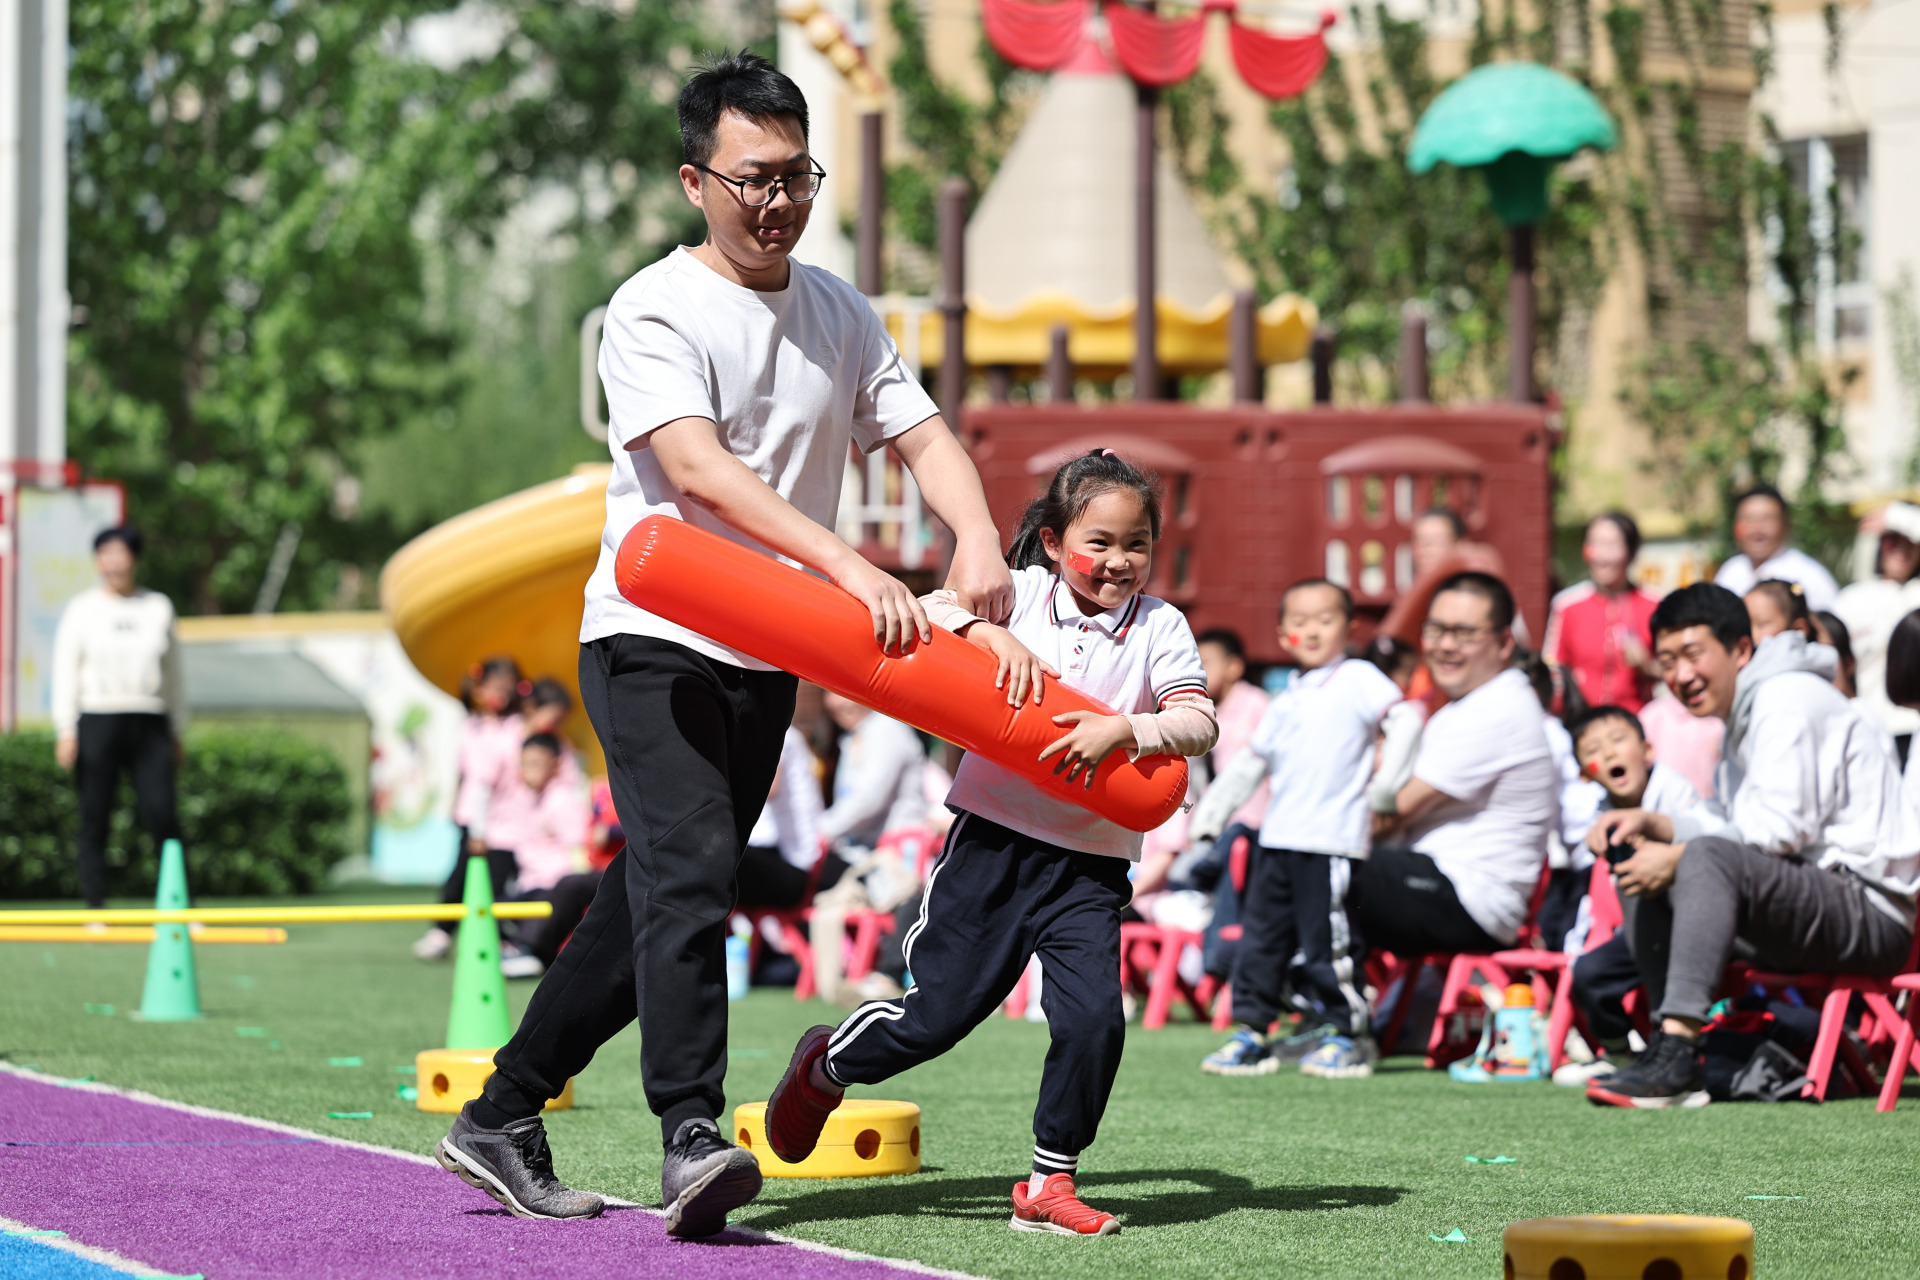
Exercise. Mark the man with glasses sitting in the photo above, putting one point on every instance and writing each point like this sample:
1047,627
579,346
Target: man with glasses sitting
736,380
1470,827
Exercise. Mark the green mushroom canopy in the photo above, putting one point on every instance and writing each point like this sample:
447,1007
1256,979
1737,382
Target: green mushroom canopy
1514,120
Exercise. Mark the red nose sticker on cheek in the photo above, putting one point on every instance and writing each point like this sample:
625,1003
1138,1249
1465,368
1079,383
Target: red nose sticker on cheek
1293,639
1593,769
1079,563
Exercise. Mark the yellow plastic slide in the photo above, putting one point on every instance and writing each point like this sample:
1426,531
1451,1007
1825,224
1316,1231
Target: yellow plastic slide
504,578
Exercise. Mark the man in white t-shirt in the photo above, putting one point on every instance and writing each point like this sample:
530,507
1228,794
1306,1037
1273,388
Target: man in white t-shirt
1762,523
1475,817
736,380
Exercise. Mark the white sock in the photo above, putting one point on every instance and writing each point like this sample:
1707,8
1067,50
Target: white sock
817,1077
1036,1183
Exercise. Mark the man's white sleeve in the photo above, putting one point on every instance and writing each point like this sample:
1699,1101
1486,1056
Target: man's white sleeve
66,668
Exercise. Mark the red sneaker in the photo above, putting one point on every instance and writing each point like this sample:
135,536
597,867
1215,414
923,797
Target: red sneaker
1059,1211
798,1110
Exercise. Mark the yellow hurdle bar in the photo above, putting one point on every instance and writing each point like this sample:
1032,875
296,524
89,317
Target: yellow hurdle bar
130,933
279,915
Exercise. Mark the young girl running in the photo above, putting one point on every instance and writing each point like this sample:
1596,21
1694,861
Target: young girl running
1023,871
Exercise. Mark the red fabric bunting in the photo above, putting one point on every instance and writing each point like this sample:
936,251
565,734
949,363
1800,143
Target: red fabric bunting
1036,36
1279,66
1155,51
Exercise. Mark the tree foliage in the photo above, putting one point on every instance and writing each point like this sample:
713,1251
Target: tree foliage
259,188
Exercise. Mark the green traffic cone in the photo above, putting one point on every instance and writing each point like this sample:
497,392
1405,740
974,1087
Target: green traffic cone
173,992
478,1017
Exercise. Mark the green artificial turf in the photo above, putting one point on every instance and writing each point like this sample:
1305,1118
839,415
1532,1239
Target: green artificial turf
1279,1175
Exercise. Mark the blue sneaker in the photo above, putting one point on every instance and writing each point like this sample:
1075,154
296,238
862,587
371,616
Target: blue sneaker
1244,1055
1341,1058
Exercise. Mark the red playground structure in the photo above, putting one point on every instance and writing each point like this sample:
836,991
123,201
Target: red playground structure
1259,498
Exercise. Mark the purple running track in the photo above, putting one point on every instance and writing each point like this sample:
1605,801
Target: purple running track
185,1191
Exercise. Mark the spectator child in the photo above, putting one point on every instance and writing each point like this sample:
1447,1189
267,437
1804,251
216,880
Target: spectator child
488,758
1315,748
1400,730
1830,631
1774,607
1885,588
545,823
1614,752
1024,872
784,846
539,941
1567,859
548,704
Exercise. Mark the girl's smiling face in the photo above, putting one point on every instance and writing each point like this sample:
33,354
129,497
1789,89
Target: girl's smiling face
1105,554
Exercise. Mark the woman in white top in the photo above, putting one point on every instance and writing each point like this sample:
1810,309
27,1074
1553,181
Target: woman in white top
118,704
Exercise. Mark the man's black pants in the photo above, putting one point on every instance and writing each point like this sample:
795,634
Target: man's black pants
1296,904
140,743
993,899
691,747
1400,901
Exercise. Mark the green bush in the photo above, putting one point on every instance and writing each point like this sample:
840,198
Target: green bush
260,813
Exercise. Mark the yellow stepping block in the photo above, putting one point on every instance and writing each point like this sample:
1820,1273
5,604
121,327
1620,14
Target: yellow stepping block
863,1138
1630,1246
448,1079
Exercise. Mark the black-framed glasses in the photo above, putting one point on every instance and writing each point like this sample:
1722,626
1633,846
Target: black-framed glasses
757,192
1433,634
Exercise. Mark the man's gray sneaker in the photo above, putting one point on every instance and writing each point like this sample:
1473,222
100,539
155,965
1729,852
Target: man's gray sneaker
515,1166
705,1177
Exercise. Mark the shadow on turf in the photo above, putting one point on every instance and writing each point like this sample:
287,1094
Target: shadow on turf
1205,1193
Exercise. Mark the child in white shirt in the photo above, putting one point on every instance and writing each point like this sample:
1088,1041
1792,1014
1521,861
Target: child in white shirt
1315,748
1026,871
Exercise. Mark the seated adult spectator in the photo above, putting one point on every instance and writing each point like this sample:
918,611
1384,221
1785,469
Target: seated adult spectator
1762,523
1475,818
1886,587
876,787
1597,635
1808,863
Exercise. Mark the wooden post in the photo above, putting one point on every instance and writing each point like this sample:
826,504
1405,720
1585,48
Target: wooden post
1146,329
873,180
1520,315
1414,385
1243,348
1059,367
953,300
1000,383
1322,356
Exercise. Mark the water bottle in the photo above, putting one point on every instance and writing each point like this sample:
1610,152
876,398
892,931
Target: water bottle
739,972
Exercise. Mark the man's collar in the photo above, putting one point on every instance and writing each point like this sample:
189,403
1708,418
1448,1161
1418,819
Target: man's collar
1064,608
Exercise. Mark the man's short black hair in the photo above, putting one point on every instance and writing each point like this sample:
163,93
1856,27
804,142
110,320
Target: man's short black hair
1704,604
124,534
1499,599
544,741
1226,638
1594,715
743,82
1764,490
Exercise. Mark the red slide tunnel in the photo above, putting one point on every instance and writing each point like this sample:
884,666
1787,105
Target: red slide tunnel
820,633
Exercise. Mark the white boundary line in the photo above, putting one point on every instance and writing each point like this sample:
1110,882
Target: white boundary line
209,1113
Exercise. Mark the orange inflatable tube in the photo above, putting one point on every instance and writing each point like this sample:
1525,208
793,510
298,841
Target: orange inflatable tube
820,633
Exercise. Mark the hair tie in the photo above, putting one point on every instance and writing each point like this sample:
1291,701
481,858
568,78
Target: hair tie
1108,453
524,688
473,672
